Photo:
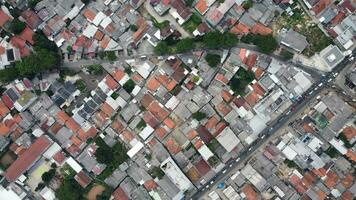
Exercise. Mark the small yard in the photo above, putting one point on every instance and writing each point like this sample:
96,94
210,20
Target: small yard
302,23
241,79
192,23
7,159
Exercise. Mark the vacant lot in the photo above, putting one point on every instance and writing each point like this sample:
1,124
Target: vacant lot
96,190
7,159
303,24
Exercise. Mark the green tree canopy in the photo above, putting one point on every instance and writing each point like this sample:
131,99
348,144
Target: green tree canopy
17,26
212,59
266,43
162,48
185,45
129,86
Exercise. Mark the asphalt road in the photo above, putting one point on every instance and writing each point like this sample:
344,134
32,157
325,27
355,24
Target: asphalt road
324,81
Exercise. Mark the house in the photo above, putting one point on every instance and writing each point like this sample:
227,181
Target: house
293,40
27,159
331,56
202,6
180,11
8,53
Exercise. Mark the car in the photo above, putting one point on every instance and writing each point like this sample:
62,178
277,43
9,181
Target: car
330,80
211,182
224,171
311,92
207,186
237,160
320,84
250,149
230,165
335,74
287,113
263,136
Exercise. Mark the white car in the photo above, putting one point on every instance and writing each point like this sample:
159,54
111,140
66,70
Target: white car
335,74
263,136
320,84
330,80
224,171
250,149
237,160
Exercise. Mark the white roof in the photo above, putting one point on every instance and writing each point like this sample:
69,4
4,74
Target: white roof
302,80
124,79
228,139
136,90
144,70
146,132
52,150
320,107
98,18
175,174
279,191
315,144
8,194
172,103
74,165
338,146
47,194
289,153
106,22
90,31
113,46
72,13
37,132
205,152
135,149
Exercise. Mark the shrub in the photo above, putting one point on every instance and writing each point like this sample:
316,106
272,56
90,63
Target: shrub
129,86
212,59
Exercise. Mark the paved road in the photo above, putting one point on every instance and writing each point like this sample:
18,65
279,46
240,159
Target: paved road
314,90
76,65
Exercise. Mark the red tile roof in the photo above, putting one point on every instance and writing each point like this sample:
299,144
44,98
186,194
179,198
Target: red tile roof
261,29
26,160
158,111
172,146
348,180
150,119
250,192
72,125
27,35
3,109
59,157
119,194
349,132
331,179
202,167
201,6
150,185
31,19
111,83
338,18
320,6
240,29
89,14
83,179
160,132
3,18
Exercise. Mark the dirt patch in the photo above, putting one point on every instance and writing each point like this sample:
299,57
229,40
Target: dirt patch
96,190
7,159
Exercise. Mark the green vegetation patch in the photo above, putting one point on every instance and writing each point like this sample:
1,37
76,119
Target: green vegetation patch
265,43
212,59
129,86
112,157
141,125
241,79
332,152
80,84
95,69
199,116
321,121
193,22
157,172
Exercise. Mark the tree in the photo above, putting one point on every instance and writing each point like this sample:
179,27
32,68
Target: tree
17,26
286,55
47,176
215,40
157,172
70,190
42,42
133,27
162,48
247,4
129,86
198,115
241,79
8,74
184,45
111,55
266,43
95,69
212,59
32,3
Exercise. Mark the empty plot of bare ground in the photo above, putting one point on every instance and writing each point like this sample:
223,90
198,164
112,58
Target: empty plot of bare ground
96,190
